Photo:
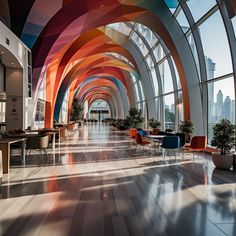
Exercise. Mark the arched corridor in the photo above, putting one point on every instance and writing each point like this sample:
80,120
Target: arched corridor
117,117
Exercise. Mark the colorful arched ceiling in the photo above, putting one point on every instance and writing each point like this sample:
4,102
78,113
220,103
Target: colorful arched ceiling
69,45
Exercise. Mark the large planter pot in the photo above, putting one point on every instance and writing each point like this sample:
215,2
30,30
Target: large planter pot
222,161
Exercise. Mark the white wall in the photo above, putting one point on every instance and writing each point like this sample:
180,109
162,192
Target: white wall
15,58
16,47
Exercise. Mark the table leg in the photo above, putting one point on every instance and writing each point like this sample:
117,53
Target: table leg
53,141
5,147
23,144
59,139
54,148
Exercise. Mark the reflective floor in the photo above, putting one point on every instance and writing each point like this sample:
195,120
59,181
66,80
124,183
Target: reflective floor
97,184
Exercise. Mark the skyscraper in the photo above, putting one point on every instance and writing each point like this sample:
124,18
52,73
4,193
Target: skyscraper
226,108
232,111
210,68
219,103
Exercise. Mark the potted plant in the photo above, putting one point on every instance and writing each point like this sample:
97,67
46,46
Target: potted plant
224,140
135,119
76,111
154,123
187,128
122,124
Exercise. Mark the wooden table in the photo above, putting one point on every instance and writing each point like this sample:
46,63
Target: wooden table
5,146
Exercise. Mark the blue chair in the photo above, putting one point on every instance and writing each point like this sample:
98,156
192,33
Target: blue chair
142,132
182,138
170,144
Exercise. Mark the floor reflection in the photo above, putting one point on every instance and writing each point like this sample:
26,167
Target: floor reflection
96,183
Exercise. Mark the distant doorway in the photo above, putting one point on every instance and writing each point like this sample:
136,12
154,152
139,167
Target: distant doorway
99,111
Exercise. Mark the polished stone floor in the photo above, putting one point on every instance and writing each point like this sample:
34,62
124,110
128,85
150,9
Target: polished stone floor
96,184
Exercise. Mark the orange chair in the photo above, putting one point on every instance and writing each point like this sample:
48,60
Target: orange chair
133,132
198,144
140,141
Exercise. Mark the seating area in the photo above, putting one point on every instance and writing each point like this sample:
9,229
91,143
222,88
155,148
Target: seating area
168,141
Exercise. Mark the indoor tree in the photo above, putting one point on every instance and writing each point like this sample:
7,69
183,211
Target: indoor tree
135,119
76,110
224,136
224,140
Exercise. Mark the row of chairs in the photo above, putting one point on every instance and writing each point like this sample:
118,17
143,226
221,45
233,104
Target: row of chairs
37,143
156,131
173,142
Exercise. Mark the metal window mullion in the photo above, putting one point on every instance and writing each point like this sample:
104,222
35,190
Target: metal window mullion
201,60
207,15
231,39
143,39
162,110
173,75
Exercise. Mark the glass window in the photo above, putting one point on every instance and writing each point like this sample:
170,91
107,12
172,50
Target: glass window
139,42
147,34
121,27
177,75
155,83
179,108
193,47
199,8
137,92
166,78
150,62
158,109
141,89
183,22
120,57
158,52
216,47
221,103
169,105
143,108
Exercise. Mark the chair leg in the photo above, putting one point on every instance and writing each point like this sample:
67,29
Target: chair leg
41,157
45,151
164,155
206,160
